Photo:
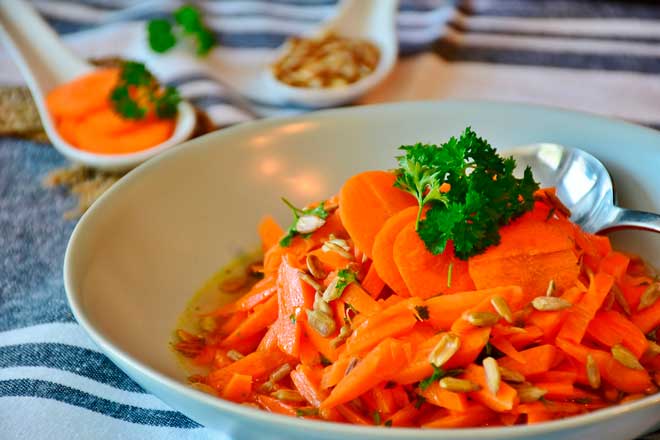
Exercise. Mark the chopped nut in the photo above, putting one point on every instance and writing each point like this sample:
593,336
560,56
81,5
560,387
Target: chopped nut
321,305
446,347
550,303
621,300
593,372
309,223
625,357
512,376
481,319
530,393
314,267
279,374
344,333
502,307
321,322
335,245
650,296
458,385
331,292
493,377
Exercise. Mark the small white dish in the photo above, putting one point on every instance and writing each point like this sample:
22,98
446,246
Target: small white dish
136,257
46,63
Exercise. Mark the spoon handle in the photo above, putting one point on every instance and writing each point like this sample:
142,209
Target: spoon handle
42,59
621,218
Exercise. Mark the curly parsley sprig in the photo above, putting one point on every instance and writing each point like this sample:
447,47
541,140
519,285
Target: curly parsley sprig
162,34
294,229
138,91
484,194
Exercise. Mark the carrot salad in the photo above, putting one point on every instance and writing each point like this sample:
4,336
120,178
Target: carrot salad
382,305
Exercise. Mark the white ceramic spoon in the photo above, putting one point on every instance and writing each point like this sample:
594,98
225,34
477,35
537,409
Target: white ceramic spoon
46,63
373,20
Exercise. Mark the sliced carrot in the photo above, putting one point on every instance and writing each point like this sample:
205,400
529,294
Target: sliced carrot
579,316
307,382
83,95
530,254
322,344
611,328
445,309
557,390
276,406
360,341
238,388
366,201
436,395
330,260
270,232
335,372
360,300
513,295
538,360
615,264
372,283
532,334
381,363
383,250
550,322
140,138
649,318
477,415
261,291
353,416
425,274
269,341
258,364
294,296
473,342
506,347
505,399
384,400
263,316
405,416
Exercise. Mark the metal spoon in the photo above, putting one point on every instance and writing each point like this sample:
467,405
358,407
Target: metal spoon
45,62
584,185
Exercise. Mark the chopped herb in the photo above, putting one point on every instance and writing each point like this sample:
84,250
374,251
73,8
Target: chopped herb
388,423
377,419
345,277
319,211
419,401
422,312
450,270
483,194
292,317
162,34
324,360
303,412
438,373
138,91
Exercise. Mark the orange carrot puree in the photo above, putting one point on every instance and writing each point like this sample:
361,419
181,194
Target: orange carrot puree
84,117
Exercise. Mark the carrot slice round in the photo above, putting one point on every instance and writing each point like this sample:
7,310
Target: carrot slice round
83,95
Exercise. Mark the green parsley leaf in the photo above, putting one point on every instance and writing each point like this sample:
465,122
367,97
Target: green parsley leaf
484,194
303,412
160,35
318,211
166,104
438,373
292,317
419,401
345,277
377,418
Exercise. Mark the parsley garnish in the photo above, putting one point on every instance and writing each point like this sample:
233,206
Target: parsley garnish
162,35
419,401
438,373
344,277
377,418
303,412
319,211
138,91
422,312
484,195
292,317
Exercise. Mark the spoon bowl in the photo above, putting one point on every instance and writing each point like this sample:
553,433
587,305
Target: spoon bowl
46,63
372,20
584,185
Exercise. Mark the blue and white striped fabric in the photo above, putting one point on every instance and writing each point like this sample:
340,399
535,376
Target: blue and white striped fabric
598,56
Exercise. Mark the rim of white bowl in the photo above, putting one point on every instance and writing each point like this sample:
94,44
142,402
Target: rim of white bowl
73,296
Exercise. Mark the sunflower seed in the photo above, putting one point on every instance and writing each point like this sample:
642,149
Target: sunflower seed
321,305
481,319
550,303
289,395
332,246
322,323
530,393
493,377
279,374
314,266
235,355
550,291
331,292
653,349
344,333
649,297
593,373
446,347
621,300
311,281
458,385
625,357
512,376
502,307
308,223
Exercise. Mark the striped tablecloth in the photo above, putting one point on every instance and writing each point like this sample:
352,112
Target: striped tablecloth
596,56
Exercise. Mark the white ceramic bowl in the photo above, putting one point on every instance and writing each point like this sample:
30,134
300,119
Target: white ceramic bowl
140,252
